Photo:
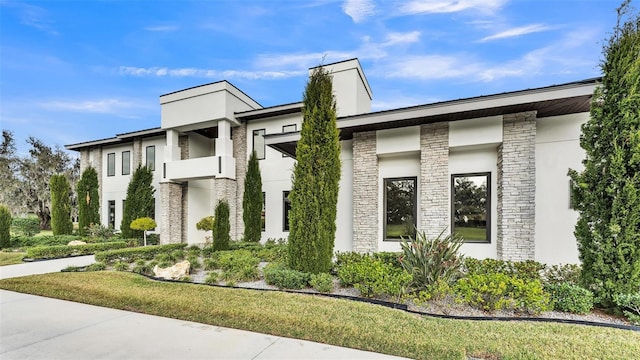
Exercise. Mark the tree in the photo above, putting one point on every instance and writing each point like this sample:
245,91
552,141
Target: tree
139,202
316,176
60,205
252,200
607,191
221,226
5,227
145,224
206,224
8,168
88,200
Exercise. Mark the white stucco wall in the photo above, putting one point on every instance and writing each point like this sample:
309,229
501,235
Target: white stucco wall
200,204
344,216
557,150
114,188
398,141
159,143
480,131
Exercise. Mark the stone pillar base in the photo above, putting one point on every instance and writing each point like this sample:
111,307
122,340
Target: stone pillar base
170,221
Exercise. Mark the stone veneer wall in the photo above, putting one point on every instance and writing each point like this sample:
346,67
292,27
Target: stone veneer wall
171,218
239,135
365,192
434,179
136,156
517,188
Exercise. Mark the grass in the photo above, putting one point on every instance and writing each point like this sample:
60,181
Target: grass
472,233
333,321
10,258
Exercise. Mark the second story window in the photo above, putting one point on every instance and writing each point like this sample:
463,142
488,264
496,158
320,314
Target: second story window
111,164
258,143
126,162
151,158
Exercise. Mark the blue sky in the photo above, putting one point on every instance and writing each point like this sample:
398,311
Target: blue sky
72,71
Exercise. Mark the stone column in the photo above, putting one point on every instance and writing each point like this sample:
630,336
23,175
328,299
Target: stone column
239,135
517,188
434,179
136,156
365,192
226,190
171,219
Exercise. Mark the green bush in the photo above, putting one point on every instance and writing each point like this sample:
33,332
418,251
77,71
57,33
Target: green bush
212,263
502,292
322,282
60,251
194,250
98,266
348,257
221,227
5,227
99,231
141,267
195,262
60,205
558,274
431,260
238,265
630,303
374,277
133,254
27,226
568,297
285,278
120,266
212,278
388,257
273,253
527,270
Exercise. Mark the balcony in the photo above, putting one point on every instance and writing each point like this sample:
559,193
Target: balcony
200,168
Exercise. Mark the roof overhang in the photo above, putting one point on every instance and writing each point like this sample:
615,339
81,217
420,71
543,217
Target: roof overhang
285,143
118,139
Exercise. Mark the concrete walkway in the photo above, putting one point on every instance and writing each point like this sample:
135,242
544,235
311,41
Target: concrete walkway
43,267
35,327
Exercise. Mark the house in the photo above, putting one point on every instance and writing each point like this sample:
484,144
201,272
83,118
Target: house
493,168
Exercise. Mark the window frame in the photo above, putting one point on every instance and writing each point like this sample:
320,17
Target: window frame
150,164
111,164
254,133
295,128
126,170
111,213
488,205
384,202
286,209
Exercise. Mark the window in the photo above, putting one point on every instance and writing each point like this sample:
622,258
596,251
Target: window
258,143
400,208
126,162
151,158
112,214
111,164
286,207
286,129
263,219
470,206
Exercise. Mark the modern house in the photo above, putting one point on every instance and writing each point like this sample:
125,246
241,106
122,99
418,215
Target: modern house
492,168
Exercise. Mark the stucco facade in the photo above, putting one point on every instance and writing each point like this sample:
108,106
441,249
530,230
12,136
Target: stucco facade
513,148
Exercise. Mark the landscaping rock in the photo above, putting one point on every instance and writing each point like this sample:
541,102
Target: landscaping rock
174,272
76,242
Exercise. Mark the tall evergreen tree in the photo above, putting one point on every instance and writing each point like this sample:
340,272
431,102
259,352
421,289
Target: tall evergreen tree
88,200
60,205
316,176
252,200
5,227
139,202
221,226
607,191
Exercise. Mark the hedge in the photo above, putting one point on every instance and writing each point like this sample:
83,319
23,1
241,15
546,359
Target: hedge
133,254
60,251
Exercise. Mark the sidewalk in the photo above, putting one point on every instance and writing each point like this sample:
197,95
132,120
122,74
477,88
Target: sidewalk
43,267
35,327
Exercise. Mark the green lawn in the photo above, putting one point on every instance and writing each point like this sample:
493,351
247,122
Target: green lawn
10,258
472,233
332,321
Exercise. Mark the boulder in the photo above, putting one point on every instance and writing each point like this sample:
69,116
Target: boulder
76,242
174,272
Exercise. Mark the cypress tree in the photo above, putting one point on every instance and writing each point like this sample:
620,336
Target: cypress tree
60,205
88,200
252,200
607,191
221,226
5,227
139,202
316,176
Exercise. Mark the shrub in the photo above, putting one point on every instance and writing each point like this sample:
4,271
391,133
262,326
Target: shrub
133,254
238,265
195,262
121,266
212,263
285,278
60,205
27,226
60,251
221,227
527,270
322,282
194,250
5,227
558,274
630,303
145,224
430,260
88,200
252,200
72,268
274,253
139,202
568,297
141,267
437,291
46,240
212,278
98,266
348,257
392,258
99,231
502,292
374,277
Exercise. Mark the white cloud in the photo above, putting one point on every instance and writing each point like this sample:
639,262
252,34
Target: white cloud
301,60
162,28
103,106
358,10
207,73
401,38
431,67
33,16
517,31
450,6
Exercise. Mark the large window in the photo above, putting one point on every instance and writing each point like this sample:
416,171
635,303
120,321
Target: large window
400,208
126,162
470,206
286,129
286,208
151,158
258,143
111,164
